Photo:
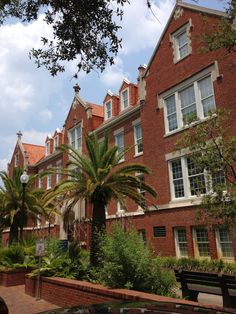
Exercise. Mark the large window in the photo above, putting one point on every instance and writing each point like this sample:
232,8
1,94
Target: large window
138,140
224,244
119,141
124,99
76,137
108,110
181,242
200,236
187,179
189,104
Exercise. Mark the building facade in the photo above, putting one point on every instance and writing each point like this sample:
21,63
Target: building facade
150,116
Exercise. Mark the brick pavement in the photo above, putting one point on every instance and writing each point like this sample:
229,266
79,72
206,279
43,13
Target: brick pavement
20,303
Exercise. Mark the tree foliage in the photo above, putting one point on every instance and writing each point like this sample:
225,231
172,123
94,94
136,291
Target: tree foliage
82,30
212,146
97,178
224,34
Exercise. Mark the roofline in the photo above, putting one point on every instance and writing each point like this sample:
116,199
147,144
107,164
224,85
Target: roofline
183,5
47,158
33,145
117,119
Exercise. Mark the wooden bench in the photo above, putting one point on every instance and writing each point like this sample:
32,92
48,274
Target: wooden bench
193,282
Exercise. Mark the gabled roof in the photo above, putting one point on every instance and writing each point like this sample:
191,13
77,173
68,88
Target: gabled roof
187,6
97,110
34,152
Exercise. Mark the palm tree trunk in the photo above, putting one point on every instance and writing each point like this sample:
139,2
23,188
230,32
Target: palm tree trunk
13,235
98,229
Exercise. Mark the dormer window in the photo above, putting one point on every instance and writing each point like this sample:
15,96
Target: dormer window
55,143
47,148
108,110
182,44
124,99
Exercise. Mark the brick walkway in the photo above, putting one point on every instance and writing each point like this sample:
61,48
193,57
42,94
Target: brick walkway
20,303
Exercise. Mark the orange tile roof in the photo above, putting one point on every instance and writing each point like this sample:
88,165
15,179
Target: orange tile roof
34,152
97,110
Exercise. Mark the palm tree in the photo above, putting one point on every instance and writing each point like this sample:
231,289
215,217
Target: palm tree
11,196
97,177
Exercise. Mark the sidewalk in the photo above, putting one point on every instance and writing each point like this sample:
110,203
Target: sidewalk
20,303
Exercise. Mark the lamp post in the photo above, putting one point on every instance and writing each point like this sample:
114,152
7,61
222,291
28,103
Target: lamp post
24,178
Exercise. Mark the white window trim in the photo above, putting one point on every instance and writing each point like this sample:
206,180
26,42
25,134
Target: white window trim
173,38
187,191
119,210
136,123
122,98
59,164
69,136
105,107
47,148
219,248
177,242
212,71
49,182
195,244
116,133
40,180
55,147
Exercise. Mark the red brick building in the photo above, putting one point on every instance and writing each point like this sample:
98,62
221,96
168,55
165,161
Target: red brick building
150,116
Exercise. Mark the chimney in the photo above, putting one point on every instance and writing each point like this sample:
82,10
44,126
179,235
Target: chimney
76,89
141,84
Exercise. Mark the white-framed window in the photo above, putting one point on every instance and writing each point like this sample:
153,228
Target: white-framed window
138,139
181,42
119,141
190,103
120,208
49,180
201,242
125,99
16,159
181,243
187,179
59,169
47,149
75,136
108,110
55,143
224,244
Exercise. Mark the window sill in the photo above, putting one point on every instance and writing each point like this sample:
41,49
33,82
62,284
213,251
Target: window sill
183,58
138,154
187,126
121,161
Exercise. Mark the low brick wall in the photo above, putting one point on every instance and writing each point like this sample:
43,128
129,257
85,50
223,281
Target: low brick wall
13,277
67,292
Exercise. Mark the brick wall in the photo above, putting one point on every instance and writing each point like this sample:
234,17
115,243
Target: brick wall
67,293
13,277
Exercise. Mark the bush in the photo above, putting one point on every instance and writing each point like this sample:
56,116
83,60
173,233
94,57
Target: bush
128,263
59,263
12,255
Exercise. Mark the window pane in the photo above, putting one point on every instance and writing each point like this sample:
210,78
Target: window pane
182,242
177,178
225,243
196,178
202,242
120,141
207,98
182,43
125,98
138,139
171,113
188,104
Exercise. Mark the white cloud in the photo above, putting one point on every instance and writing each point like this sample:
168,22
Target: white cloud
46,114
141,27
34,137
114,74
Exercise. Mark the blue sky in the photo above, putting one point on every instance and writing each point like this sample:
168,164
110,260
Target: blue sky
36,103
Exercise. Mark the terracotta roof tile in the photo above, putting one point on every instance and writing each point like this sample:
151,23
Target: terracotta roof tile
97,110
34,152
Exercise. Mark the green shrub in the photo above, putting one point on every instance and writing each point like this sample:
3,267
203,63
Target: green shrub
12,255
128,263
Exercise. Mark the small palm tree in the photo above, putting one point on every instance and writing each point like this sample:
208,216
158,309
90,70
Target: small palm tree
11,196
97,178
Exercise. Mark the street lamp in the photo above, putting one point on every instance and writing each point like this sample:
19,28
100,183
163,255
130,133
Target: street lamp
24,178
